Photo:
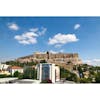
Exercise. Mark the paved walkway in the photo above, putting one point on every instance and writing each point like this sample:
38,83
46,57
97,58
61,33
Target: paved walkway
27,81
7,80
65,82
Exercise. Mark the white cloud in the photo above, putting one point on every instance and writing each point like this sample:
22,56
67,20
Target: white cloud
38,31
13,26
30,37
58,45
60,39
76,26
34,29
54,52
27,38
61,51
95,62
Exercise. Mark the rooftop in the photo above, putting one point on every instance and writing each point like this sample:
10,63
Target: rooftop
16,67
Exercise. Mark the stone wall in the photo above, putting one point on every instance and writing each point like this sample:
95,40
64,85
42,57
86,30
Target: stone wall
59,58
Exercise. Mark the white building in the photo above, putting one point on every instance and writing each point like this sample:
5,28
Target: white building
3,66
3,69
48,71
13,69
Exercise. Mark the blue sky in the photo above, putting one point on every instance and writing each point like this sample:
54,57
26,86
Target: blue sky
21,36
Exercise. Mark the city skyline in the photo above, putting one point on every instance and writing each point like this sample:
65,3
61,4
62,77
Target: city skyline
21,36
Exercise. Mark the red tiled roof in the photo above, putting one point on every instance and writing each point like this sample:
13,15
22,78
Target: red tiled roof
16,67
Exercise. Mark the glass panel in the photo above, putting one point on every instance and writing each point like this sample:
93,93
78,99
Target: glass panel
45,71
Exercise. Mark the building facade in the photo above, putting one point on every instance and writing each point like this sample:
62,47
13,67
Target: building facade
13,69
3,69
3,66
47,71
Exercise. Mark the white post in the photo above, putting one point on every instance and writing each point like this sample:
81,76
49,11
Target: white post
40,77
53,73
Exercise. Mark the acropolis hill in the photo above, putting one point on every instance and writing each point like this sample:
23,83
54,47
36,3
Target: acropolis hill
61,59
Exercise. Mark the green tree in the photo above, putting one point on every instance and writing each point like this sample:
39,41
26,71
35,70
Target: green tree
20,76
80,69
73,77
64,73
16,63
80,72
97,77
30,73
16,74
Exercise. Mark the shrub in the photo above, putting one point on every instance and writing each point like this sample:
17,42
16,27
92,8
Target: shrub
85,80
20,76
72,77
97,77
16,74
30,73
4,76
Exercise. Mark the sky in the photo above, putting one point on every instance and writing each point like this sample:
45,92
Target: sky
22,36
